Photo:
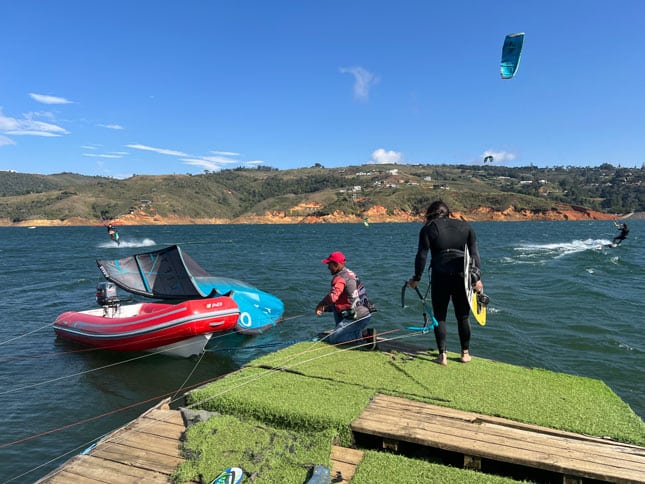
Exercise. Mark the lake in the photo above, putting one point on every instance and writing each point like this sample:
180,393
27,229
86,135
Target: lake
560,300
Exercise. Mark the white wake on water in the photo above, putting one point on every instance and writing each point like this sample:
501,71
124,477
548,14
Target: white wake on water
559,249
127,243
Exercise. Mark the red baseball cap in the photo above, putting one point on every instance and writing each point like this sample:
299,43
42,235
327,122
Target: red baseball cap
337,257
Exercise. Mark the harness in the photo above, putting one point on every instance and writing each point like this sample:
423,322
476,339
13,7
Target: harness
357,297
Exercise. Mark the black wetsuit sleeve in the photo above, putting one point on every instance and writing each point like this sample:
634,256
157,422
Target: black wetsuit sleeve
474,252
422,254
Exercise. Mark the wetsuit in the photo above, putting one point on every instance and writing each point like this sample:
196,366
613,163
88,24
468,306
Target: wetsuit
350,315
446,238
624,230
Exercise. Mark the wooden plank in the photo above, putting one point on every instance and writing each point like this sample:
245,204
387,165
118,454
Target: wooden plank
167,416
478,436
144,459
145,441
387,401
345,461
67,477
93,469
155,427
344,454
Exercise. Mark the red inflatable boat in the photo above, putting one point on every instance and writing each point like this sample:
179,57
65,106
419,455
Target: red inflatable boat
181,329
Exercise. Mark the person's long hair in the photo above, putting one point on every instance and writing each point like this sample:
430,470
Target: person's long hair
437,210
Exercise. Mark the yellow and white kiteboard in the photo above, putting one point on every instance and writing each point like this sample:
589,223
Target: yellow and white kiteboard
478,309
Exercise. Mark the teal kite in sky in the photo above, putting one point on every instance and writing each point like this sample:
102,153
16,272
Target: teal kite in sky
511,52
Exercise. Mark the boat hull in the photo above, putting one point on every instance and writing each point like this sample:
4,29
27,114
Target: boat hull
181,329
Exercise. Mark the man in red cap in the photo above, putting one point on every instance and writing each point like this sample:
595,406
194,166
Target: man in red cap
348,301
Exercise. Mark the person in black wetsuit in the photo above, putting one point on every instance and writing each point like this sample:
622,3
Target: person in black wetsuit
446,238
624,230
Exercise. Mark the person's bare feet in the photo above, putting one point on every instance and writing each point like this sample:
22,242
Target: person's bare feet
465,356
442,359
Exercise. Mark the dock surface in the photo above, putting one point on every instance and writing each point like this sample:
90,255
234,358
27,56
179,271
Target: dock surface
396,422
148,449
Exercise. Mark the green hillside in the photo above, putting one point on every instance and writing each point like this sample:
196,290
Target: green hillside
237,192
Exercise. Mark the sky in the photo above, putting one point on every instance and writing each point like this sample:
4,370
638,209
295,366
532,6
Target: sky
123,87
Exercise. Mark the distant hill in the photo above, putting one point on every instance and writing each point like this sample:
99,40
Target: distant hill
318,191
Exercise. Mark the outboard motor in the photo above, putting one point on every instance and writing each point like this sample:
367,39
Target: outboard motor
107,297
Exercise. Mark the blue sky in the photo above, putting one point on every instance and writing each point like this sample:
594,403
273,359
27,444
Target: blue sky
116,88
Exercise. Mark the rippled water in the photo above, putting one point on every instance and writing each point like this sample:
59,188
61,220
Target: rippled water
559,300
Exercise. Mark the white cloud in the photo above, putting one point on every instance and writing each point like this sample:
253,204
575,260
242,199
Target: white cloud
225,153
106,155
4,141
204,164
111,126
498,156
45,99
28,126
382,157
161,151
224,160
215,161
7,123
212,162
363,81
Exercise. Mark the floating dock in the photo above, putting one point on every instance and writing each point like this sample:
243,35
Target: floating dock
148,449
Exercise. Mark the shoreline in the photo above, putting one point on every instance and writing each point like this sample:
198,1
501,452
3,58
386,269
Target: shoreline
374,215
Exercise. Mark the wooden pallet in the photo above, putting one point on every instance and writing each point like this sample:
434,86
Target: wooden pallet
479,437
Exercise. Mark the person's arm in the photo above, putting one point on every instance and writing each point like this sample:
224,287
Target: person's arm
474,253
420,259
337,288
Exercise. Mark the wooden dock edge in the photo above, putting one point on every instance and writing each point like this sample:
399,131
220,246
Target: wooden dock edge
147,449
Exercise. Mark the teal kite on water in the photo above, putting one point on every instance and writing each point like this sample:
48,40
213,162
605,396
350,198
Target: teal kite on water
511,52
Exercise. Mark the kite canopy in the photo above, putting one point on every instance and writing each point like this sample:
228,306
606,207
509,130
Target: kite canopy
511,52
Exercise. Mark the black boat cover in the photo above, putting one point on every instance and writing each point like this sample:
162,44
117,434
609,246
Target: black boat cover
165,274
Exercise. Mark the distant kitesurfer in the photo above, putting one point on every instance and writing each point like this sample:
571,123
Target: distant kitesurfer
446,238
624,230
114,235
348,301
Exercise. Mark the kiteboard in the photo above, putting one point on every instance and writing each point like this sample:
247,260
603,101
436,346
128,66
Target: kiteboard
511,54
478,309
232,475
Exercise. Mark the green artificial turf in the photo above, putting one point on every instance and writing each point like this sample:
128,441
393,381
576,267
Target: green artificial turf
265,454
314,388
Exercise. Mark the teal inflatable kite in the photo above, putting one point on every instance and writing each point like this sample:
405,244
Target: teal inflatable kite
511,53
